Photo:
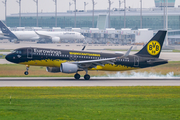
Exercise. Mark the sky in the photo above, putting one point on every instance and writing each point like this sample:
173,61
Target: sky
63,5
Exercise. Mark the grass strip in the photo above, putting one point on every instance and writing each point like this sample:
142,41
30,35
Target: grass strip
89,103
2,56
176,50
5,50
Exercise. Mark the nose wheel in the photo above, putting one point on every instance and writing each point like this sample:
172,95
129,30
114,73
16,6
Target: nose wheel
26,72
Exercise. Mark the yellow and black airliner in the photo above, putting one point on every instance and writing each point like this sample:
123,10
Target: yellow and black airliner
70,61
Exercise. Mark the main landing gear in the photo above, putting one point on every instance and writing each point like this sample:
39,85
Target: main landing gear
27,68
77,76
86,76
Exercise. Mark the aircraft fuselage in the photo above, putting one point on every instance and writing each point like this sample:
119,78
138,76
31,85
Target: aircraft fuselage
55,57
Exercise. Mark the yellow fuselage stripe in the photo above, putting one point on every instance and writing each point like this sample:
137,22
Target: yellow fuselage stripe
57,63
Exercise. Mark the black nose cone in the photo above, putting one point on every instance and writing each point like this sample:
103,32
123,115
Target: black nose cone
13,58
7,58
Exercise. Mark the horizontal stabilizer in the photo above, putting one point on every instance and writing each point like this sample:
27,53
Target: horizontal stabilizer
157,61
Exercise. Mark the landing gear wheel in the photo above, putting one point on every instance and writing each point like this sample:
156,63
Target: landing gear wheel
26,73
27,68
86,77
77,76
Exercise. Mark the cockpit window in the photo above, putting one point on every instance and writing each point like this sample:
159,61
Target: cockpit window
14,51
17,51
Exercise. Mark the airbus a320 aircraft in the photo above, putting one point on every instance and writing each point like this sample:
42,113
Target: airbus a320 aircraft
44,36
68,61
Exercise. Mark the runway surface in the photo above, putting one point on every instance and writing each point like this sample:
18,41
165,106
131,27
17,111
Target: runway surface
62,82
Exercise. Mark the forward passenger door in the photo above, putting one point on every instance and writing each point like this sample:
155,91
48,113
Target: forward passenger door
29,53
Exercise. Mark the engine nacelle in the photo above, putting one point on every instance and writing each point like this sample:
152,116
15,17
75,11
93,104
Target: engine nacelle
56,40
68,68
53,69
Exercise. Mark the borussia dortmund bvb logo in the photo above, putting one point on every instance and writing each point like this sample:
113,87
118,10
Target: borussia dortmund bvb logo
153,47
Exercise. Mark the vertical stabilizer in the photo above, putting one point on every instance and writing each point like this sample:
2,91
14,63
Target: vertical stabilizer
154,46
5,30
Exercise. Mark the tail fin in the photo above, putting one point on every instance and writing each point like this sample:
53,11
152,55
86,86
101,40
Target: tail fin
154,46
6,30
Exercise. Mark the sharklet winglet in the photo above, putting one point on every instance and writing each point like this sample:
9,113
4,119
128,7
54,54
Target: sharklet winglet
127,53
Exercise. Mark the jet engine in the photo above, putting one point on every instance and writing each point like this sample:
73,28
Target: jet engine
53,69
56,40
68,68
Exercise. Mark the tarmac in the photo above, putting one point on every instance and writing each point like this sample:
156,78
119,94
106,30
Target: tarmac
64,82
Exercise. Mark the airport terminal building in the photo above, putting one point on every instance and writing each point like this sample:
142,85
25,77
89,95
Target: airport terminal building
152,19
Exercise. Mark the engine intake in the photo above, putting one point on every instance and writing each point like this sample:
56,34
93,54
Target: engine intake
68,68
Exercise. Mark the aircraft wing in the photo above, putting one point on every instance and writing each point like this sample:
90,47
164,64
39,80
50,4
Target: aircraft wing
101,62
94,63
43,36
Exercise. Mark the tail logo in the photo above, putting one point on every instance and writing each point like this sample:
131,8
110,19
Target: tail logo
153,47
4,29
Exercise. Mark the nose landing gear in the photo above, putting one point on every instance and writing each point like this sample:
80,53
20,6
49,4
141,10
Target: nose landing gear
27,68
